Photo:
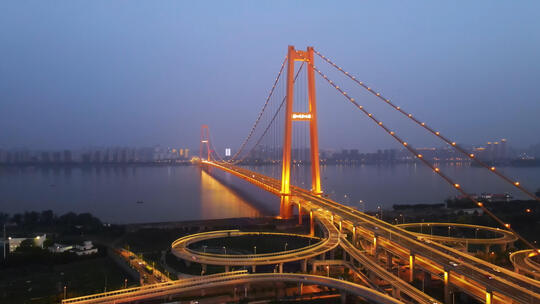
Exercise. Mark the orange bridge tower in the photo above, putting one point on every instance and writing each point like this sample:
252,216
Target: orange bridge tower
294,55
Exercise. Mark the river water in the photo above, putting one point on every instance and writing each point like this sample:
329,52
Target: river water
177,193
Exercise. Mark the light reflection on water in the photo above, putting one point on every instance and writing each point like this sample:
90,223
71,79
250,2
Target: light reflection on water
219,201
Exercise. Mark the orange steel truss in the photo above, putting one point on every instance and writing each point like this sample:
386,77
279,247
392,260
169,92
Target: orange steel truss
294,55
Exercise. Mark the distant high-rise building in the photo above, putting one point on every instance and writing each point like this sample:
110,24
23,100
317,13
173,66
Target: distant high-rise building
45,157
67,156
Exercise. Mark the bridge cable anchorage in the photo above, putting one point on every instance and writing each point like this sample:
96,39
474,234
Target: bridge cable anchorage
262,111
269,124
424,125
426,162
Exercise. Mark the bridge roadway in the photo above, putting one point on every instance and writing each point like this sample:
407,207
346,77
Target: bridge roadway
505,236
523,263
474,273
167,290
180,248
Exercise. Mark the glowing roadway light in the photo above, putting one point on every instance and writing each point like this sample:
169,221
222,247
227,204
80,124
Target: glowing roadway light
419,155
423,124
453,143
492,168
516,183
437,133
471,155
391,132
480,204
456,185
437,169
528,210
404,143
507,225
204,141
410,115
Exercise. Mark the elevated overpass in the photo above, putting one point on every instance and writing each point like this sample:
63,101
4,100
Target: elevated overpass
171,289
439,259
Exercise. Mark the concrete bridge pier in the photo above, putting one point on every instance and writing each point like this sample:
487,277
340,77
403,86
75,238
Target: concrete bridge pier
447,290
280,267
300,287
203,266
489,296
253,268
412,259
311,224
426,277
227,269
388,261
299,214
304,265
343,297
313,268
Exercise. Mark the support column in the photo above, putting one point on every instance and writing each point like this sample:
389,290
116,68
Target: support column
313,268
343,297
374,247
489,296
280,267
299,214
304,265
446,279
411,267
311,224
344,255
300,287
253,268
388,261
226,268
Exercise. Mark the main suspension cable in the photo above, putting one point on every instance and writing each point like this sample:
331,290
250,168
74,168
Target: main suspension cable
420,157
429,129
271,121
261,113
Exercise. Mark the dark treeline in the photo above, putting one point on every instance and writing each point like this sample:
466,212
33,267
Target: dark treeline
49,222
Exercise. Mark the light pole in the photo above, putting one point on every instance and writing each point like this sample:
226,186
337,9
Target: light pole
204,248
65,291
327,270
449,227
225,250
286,246
125,283
254,249
402,219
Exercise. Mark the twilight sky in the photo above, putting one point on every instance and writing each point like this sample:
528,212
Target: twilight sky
136,73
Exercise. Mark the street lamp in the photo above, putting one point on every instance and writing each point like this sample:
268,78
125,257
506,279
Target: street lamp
286,246
225,250
254,249
449,227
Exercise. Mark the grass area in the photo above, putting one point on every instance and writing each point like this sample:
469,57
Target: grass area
44,284
246,244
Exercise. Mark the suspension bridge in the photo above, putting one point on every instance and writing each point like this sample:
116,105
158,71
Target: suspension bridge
285,133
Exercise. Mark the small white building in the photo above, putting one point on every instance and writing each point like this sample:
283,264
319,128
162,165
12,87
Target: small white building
60,248
86,248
